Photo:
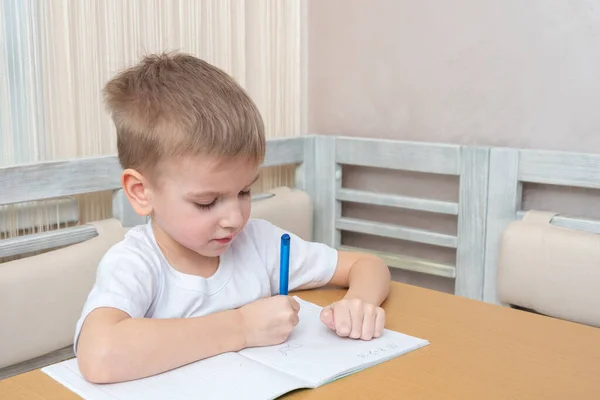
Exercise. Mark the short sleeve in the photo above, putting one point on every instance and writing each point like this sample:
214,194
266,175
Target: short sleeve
312,264
126,279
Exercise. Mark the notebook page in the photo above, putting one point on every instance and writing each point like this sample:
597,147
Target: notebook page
316,354
226,376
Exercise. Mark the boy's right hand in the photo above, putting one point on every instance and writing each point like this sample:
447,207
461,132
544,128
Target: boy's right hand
269,321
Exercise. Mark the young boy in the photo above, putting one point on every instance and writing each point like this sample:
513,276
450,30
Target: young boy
201,279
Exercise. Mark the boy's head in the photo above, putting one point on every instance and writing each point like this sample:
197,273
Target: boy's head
190,141
175,105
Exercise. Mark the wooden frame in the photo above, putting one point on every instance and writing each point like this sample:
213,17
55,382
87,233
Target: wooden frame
470,164
318,159
509,169
482,213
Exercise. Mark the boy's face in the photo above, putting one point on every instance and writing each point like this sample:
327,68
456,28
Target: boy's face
202,204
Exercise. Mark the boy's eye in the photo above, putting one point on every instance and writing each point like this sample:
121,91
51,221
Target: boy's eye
210,205
205,206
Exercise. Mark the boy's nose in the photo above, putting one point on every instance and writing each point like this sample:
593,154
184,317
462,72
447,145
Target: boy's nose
233,219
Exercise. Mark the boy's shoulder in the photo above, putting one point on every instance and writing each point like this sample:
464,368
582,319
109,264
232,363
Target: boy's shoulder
136,247
136,237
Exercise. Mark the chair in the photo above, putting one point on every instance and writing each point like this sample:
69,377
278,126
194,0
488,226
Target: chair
507,245
549,269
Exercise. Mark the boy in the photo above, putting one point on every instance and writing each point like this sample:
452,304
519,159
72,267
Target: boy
201,279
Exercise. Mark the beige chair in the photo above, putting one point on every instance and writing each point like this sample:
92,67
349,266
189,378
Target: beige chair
549,269
41,297
291,210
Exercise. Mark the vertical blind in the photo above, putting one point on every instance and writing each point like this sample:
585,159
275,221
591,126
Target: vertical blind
55,57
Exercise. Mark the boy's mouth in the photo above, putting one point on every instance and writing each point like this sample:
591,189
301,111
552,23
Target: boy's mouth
224,240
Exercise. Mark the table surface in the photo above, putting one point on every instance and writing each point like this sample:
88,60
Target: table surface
477,351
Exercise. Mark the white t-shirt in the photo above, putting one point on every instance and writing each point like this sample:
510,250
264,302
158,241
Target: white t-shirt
134,276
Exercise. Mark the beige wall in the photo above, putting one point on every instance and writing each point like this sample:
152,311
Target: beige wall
468,71
501,73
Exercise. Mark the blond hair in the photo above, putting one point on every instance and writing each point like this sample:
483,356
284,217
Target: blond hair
173,105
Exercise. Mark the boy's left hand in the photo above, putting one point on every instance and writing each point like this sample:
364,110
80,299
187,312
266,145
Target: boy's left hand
354,318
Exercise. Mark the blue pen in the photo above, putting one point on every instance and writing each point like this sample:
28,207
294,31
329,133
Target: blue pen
284,264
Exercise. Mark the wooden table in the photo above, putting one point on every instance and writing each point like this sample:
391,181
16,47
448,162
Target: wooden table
477,351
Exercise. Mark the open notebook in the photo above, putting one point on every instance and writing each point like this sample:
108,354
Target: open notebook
312,356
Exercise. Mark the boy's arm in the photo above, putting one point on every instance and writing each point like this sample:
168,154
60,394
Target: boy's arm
358,314
366,276
114,347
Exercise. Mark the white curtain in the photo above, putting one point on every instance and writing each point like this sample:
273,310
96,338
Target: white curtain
56,55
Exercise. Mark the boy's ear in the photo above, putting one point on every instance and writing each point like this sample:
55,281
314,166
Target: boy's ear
136,188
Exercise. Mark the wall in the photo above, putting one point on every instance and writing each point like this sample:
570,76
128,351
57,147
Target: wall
498,73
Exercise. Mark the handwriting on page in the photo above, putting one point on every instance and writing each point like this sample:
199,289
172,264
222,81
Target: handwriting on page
378,351
289,347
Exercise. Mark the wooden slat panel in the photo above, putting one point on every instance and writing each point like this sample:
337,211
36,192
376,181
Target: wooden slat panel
504,199
58,178
393,154
581,224
284,151
470,255
337,204
396,232
323,190
304,178
408,263
559,168
390,200
46,240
